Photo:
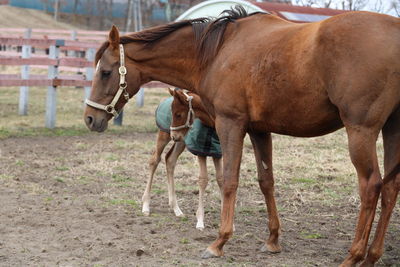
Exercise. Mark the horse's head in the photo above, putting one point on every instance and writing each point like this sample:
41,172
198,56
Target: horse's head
115,81
182,114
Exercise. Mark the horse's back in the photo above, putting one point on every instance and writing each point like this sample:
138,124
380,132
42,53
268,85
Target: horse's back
299,76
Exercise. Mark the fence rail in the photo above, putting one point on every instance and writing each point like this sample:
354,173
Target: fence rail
55,55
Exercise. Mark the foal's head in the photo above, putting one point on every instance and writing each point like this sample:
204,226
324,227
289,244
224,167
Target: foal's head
182,113
116,80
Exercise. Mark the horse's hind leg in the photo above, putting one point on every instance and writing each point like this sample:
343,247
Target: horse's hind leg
163,139
362,147
170,160
391,185
262,145
203,181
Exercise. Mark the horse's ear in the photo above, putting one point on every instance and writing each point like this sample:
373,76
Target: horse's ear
113,37
171,91
179,94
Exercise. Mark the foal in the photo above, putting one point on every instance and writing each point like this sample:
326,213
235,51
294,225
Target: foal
163,138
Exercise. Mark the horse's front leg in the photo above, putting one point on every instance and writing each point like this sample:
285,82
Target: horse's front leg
231,134
262,145
170,161
163,139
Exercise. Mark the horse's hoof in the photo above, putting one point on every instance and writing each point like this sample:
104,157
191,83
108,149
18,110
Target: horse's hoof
178,213
366,263
200,226
207,254
146,212
271,248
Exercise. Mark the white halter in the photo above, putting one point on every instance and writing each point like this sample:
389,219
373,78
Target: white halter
110,108
189,116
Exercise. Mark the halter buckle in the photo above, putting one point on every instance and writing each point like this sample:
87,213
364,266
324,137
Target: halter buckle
109,109
122,70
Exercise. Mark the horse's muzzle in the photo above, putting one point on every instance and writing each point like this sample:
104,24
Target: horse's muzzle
99,125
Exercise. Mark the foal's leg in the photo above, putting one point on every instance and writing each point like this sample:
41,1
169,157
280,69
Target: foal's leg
203,181
231,135
262,145
362,147
390,188
163,139
219,176
170,160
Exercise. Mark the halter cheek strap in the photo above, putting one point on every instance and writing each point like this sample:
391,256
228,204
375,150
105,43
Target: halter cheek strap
190,115
110,108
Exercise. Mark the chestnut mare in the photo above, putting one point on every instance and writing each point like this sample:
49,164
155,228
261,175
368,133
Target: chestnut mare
259,74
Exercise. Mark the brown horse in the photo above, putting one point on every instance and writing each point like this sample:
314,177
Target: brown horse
182,114
260,74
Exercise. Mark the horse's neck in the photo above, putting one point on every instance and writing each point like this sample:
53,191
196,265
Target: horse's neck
205,119
202,114
171,60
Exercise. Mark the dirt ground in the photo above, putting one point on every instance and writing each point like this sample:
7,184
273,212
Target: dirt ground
76,201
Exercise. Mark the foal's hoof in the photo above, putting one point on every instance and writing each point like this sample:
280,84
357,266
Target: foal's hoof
271,248
207,254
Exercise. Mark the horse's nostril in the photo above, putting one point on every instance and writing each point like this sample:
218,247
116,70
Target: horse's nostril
89,120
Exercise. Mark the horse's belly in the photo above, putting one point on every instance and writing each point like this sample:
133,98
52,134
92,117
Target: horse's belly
313,119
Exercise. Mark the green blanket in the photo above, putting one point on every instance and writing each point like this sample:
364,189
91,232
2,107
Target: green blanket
201,140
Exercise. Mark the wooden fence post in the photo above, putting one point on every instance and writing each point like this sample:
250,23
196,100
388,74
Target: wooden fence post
24,90
51,100
90,53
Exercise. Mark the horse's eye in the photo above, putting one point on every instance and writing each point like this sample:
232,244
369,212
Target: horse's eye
105,74
178,116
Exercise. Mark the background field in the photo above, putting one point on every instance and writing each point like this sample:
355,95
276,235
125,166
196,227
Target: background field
73,198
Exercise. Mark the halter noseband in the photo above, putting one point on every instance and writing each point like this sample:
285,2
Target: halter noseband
110,108
189,116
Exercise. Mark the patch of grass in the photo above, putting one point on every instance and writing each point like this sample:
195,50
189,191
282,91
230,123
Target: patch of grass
129,202
112,157
6,177
304,180
184,241
308,235
119,178
159,191
62,168
59,179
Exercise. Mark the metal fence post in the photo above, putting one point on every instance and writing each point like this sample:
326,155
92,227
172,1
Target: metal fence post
24,90
138,27
118,120
90,53
51,100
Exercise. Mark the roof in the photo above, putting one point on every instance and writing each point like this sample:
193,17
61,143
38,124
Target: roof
213,8
298,13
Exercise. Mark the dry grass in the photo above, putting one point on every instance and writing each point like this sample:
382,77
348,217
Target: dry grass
14,17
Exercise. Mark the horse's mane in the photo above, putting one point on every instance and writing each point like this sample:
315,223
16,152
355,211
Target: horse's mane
212,37
208,34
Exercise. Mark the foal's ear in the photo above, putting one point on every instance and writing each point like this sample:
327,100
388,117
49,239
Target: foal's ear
113,37
171,91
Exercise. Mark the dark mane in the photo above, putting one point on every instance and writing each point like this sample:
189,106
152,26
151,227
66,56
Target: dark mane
212,36
208,34
154,34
